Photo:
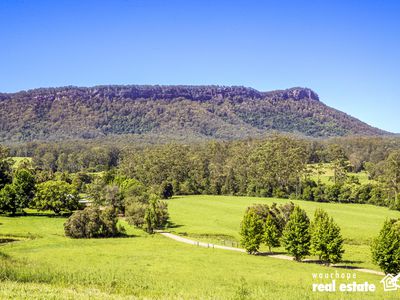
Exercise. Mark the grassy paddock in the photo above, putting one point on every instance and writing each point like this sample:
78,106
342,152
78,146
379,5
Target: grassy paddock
44,264
217,218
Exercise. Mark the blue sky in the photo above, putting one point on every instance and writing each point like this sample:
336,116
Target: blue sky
347,51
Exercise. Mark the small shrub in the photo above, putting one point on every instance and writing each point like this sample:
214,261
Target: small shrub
92,223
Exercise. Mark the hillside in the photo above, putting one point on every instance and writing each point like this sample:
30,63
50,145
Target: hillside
177,111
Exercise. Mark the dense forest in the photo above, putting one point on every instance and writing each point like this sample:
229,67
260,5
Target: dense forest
278,166
190,113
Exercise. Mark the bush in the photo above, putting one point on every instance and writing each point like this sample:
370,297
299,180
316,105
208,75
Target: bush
92,223
135,212
386,247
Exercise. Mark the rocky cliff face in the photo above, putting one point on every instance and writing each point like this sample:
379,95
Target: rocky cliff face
185,111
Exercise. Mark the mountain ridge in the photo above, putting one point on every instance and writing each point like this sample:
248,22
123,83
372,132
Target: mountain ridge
209,111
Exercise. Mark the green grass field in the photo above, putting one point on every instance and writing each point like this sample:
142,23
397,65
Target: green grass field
218,218
44,264
327,175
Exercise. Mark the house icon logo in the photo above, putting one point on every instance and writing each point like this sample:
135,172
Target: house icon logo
391,283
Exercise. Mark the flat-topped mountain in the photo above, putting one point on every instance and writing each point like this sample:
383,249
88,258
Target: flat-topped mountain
178,111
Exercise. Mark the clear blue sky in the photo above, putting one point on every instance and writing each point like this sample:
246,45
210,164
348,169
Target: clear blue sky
347,51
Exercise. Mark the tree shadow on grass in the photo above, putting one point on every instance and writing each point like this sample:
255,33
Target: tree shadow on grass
4,256
49,215
173,225
271,253
6,240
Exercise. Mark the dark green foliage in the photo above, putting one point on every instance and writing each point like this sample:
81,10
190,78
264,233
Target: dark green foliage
92,223
251,231
56,196
326,240
386,247
167,190
296,235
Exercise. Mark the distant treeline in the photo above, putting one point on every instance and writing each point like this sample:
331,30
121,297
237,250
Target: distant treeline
277,166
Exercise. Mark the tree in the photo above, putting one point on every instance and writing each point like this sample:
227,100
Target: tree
391,176
5,167
271,234
156,215
56,196
386,247
278,164
114,197
296,235
340,164
326,240
251,231
167,190
8,199
24,184
95,190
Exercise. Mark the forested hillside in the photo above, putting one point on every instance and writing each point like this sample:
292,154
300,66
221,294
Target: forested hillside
189,112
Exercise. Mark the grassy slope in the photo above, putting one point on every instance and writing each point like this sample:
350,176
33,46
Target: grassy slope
214,217
50,266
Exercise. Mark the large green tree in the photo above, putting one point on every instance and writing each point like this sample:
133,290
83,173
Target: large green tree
296,235
391,176
326,240
155,215
271,233
386,247
5,167
278,164
251,231
24,184
8,199
56,196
